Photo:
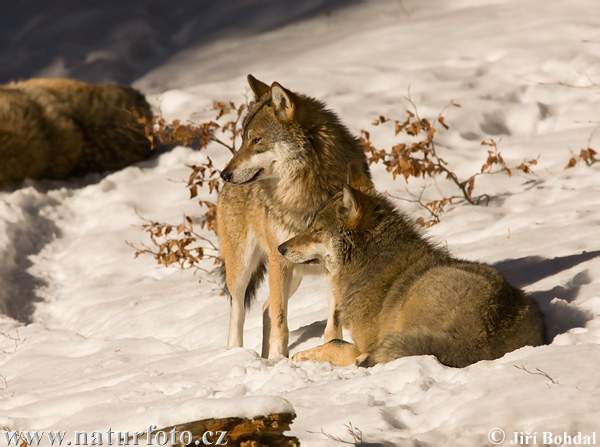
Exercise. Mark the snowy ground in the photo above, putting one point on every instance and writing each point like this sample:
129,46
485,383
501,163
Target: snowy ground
100,339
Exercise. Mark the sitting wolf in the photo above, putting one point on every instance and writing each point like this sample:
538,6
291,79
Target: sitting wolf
398,295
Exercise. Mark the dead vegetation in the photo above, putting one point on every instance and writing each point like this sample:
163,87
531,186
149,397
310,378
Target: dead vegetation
422,159
180,244
416,156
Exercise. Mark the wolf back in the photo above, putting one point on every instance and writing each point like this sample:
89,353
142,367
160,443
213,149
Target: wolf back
59,128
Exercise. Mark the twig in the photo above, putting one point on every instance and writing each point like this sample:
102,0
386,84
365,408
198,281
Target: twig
216,140
17,339
589,142
418,201
353,431
439,161
592,83
235,124
539,372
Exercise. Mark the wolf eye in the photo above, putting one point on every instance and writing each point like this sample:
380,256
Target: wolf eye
317,230
256,140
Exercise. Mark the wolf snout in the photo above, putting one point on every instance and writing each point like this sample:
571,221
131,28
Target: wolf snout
226,175
282,249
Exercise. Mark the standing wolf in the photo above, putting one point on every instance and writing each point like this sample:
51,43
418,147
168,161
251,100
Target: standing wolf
400,296
58,128
294,156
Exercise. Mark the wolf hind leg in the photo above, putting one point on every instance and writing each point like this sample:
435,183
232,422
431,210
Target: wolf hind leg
449,350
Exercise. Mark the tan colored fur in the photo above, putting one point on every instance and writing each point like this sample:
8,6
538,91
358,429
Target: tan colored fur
337,352
58,128
398,295
294,156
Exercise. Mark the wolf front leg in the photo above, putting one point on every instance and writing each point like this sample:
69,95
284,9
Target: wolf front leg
333,329
281,275
295,283
237,282
239,268
237,316
266,309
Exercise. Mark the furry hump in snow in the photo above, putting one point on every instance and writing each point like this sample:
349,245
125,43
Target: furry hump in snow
58,128
398,295
294,156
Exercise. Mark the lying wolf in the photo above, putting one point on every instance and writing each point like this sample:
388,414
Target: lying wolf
294,156
58,128
398,295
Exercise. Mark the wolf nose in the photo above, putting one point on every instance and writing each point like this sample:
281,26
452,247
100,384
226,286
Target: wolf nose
226,175
282,249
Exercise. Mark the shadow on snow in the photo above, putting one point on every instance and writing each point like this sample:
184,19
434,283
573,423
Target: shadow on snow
556,304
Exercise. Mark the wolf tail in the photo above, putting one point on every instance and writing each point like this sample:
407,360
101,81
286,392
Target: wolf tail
255,280
449,350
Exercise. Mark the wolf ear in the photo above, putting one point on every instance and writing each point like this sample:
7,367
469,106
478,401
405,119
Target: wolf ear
349,209
359,180
357,210
284,106
259,88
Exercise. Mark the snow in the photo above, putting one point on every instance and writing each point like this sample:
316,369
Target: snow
93,338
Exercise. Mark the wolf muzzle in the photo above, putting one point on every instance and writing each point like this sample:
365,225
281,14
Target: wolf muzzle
226,175
282,249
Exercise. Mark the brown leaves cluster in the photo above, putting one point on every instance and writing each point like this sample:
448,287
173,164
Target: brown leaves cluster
232,127
177,133
180,244
588,156
225,109
199,135
205,174
495,160
420,159
415,160
161,132
175,244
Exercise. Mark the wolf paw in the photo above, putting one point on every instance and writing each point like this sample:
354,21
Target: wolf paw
365,360
301,356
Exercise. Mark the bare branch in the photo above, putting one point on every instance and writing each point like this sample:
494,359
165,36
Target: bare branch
355,432
591,83
231,149
539,372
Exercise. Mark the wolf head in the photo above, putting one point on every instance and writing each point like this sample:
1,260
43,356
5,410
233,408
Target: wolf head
347,217
286,134
272,138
